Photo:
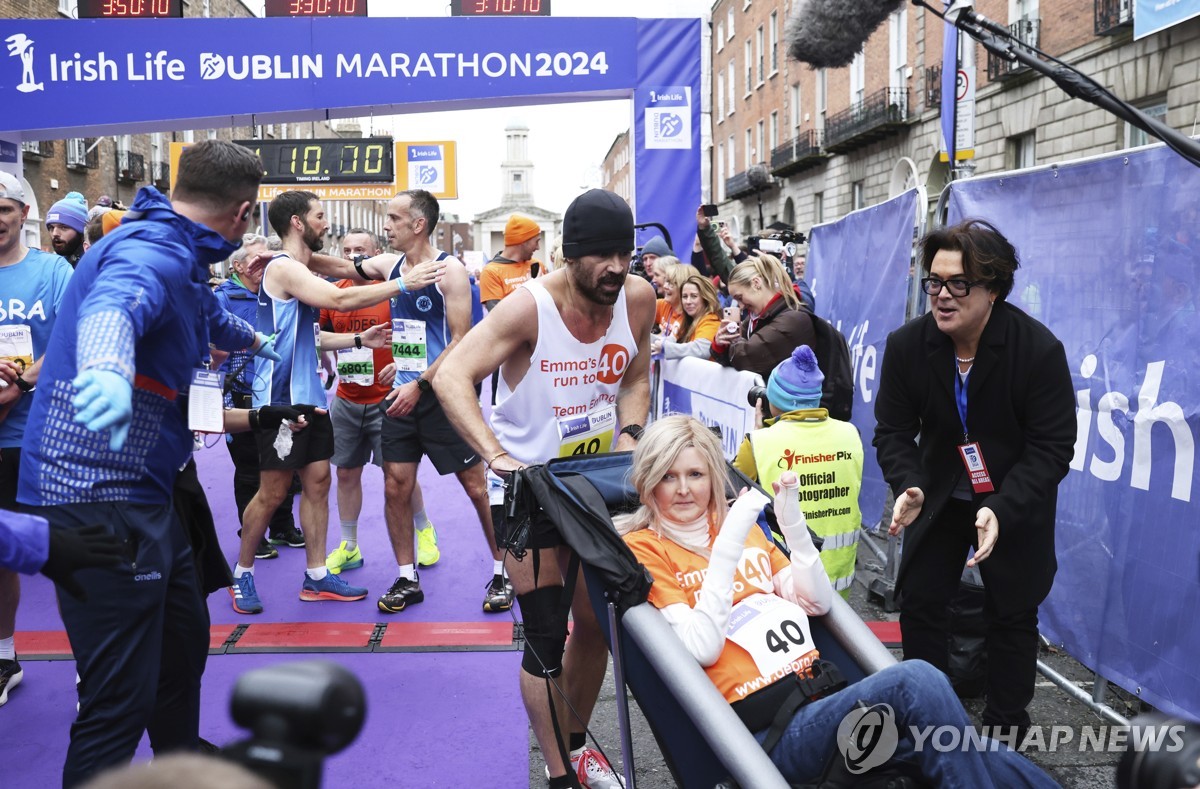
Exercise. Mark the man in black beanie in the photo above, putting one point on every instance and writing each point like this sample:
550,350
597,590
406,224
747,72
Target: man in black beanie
572,348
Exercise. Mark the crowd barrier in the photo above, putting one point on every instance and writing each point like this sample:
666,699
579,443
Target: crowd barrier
714,394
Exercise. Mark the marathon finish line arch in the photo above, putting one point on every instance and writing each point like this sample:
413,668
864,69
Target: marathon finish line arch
68,78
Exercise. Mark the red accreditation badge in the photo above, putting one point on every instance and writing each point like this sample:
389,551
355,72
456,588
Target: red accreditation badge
972,458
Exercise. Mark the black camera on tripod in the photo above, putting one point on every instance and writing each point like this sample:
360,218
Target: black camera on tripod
780,243
297,713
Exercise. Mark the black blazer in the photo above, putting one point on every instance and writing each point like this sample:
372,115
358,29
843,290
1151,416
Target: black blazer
1021,410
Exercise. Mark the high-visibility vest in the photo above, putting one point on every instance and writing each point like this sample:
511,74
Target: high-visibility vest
827,455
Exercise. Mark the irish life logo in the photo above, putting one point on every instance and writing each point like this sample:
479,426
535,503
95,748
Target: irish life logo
21,46
668,120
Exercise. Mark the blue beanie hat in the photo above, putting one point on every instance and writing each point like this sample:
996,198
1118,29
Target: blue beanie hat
795,382
71,211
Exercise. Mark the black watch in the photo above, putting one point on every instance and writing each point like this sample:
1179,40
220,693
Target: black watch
424,385
358,341
633,431
24,385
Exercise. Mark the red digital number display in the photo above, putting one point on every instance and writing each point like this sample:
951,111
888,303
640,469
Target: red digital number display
130,9
500,8
300,8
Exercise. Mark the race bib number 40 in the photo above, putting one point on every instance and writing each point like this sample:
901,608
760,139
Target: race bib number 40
408,346
587,434
773,630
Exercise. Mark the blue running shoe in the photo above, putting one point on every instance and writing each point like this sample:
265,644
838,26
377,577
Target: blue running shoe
245,596
331,587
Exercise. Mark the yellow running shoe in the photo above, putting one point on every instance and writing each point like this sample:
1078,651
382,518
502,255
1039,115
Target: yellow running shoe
342,559
427,547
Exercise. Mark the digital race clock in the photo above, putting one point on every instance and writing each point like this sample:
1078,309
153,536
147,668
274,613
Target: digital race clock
316,7
499,7
368,160
129,9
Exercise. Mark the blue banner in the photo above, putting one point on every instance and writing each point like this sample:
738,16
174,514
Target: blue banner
1151,16
858,270
82,76
666,117
1109,251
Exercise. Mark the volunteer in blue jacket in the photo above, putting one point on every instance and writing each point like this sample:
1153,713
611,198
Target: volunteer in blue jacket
108,433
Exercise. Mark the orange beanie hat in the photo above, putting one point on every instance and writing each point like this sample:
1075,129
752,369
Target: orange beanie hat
110,219
519,230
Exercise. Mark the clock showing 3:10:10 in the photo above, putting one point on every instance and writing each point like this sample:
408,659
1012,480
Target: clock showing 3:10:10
367,160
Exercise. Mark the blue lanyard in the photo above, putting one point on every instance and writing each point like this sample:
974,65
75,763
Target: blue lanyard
960,398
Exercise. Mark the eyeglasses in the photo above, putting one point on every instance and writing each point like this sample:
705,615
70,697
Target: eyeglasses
958,287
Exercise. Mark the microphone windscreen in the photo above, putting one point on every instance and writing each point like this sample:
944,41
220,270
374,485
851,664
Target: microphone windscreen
829,33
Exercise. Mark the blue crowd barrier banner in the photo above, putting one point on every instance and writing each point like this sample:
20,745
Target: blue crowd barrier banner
858,270
75,78
1109,250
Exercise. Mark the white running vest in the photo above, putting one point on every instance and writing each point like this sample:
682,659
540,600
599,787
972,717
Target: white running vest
567,402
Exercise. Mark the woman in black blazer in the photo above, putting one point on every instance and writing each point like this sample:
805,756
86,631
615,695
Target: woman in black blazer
975,378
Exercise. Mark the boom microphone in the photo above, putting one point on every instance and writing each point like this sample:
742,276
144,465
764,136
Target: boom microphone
829,33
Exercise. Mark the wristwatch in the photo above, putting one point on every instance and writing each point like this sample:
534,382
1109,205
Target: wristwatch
633,431
424,385
358,341
24,385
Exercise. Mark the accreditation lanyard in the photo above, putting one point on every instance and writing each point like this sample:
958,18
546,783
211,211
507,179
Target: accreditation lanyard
968,450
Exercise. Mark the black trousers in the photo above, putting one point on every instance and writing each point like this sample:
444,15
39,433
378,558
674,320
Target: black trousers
140,640
931,580
244,451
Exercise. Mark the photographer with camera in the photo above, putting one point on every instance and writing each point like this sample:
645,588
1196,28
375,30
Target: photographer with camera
780,243
825,453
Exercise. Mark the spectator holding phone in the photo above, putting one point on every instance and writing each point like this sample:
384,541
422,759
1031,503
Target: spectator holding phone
701,320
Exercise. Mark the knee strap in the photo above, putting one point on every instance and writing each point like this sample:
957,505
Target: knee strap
545,619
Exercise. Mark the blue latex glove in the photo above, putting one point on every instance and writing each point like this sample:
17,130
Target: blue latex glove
104,402
266,347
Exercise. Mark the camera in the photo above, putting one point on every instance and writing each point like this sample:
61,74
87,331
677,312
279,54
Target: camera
297,713
1173,764
780,243
757,396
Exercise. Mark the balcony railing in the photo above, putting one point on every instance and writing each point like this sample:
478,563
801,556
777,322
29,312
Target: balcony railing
879,114
38,149
160,173
800,153
82,153
739,185
933,87
1027,31
1113,16
131,167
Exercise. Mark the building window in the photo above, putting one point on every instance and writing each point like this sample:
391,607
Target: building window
729,22
720,99
749,68
212,134
856,196
731,81
759,154
518,186
760,55
774,40
1022,9
720,37
68,8
189,136
818,207
858,79
1022,151
730,162
1135,136
820,91
796,114
749,148
720,172
897,48
774,130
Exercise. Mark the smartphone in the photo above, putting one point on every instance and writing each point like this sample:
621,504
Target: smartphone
709,209
733,313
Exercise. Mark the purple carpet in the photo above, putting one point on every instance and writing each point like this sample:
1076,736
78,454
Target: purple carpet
450,718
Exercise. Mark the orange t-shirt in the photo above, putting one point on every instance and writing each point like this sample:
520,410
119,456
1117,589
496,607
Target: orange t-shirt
705,328
667,318
357,322
678,574
498,279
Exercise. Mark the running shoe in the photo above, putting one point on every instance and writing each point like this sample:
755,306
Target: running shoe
402,594
342,559
265,550
245,596
594,771
10,676
427,547
331,587
499,595
290,536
